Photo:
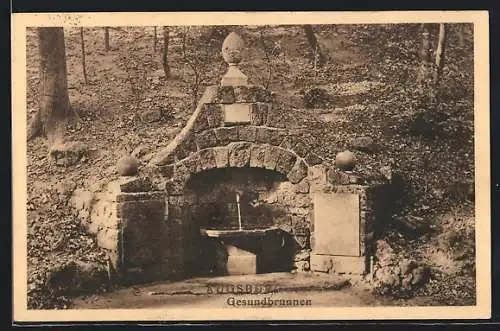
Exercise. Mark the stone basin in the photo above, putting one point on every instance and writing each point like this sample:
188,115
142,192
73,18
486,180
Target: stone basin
231,233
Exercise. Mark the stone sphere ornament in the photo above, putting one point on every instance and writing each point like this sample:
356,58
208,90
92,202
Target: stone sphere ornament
127,166
345,160
232,48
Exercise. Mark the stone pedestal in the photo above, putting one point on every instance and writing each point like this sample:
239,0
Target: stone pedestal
342,220
240,262
234,77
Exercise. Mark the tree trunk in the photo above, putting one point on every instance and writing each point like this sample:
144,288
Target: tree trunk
426,46
425,77
84,67
440,51
460,35
313,43
54,105
154,39
166,38
106,38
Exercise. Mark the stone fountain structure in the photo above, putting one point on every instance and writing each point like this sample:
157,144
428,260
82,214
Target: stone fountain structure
181,216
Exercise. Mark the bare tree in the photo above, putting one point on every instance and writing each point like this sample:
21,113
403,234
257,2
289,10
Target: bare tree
106,39
313,43
154,39
440,54
54,105
196,59
166,39
193,64
272,52
84,67
425,75
460,35
426,46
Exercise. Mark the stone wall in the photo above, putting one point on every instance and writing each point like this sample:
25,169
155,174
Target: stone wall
150,224
128,220
234,137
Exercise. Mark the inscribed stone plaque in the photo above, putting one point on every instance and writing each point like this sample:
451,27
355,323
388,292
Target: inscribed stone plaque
336,224
237,113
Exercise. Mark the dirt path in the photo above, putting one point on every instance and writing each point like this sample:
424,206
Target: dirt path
223,292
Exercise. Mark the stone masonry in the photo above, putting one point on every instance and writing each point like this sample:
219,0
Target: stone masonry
153,220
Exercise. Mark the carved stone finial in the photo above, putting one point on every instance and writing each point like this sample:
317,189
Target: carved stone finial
232,52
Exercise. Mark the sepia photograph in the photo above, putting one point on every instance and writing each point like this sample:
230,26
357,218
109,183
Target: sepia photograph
279,166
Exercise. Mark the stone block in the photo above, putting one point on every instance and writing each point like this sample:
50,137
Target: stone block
275,118
344,179
317,174
286,161
302,200
147,210
301,266
181,152
270,136
333,176
221,155
167,171
207,159
174,186
312,159
338,264
240,262
257,156
192,164
214,115
355,179
301,148
299,211
302,186
206,139
189,143
299,224
271,157
288,142
247,133
226,135
336,224
201,122
237,113
176,200
226,94
182,170
242,94
298,172
259,113
239,154
302,241
166,158
130,184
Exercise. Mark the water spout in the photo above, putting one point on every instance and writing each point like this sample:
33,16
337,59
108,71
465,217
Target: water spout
239,212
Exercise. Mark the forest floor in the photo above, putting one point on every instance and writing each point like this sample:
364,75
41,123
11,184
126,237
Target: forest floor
369,84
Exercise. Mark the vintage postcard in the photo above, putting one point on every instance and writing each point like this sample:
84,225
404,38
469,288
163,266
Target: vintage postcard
251,166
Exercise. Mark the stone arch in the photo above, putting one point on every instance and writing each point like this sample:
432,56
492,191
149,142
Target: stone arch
235,155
